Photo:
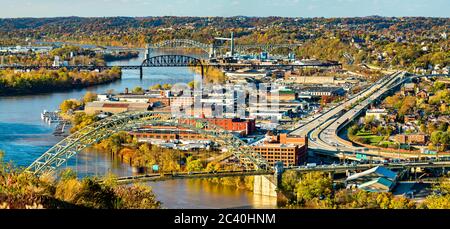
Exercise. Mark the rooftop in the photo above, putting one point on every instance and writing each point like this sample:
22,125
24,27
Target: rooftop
378,171
377,185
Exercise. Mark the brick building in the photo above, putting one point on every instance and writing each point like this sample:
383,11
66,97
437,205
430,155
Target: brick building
419,139
242,126
166,133
290,149
289,154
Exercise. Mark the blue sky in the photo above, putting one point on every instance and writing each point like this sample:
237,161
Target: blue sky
288,8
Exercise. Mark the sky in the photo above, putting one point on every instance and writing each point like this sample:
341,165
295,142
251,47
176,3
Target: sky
285,8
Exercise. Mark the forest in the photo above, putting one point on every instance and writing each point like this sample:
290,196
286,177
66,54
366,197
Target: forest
41,81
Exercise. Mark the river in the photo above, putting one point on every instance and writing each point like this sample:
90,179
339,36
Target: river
24,137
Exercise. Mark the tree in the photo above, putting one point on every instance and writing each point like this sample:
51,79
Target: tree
445,139
213,167
423,128
437,202
436,137
193,165
156,87
408,104
289,180
353,130
191,84
71,104
89,97
166,86
149,156
314,185
138,90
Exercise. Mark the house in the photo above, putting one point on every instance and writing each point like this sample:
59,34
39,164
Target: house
415,139
378,114
410,118
422,94
392,116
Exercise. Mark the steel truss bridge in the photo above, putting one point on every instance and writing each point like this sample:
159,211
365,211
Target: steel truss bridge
335,169
174,61
60,153
211,49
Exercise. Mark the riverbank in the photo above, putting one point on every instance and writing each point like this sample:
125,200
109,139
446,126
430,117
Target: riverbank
19,190
42,81
120,56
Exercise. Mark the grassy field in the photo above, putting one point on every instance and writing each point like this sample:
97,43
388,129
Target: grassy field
372,139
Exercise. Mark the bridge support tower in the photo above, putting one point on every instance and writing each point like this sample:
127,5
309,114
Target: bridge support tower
267,185
148,52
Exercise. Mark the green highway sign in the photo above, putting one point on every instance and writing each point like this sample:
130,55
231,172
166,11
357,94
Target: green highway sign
361,156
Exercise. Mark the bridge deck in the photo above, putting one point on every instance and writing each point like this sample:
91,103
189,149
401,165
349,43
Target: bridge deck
302,169
189,175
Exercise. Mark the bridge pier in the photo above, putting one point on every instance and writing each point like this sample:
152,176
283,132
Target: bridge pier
141,73
267,185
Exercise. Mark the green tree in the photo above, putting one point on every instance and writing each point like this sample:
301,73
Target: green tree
312,186
138,90
289,180
436,137
71,104
213,167
89,97
437,202
156,87
166,86
193,165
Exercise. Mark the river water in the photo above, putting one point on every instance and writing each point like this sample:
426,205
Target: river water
24,137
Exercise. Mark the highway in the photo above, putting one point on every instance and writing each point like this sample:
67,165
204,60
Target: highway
322,129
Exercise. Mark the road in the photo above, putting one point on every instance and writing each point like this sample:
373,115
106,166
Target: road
322,129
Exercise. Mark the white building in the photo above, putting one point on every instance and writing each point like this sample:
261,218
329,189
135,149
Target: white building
378,114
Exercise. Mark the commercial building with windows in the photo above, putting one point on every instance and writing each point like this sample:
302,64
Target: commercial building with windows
289,154
290,149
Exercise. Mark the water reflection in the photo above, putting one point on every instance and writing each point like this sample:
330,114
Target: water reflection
199,193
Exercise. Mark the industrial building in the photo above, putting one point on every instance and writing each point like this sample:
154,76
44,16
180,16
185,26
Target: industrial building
97,107
377,179
322,91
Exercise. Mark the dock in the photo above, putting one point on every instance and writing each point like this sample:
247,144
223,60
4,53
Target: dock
51,117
